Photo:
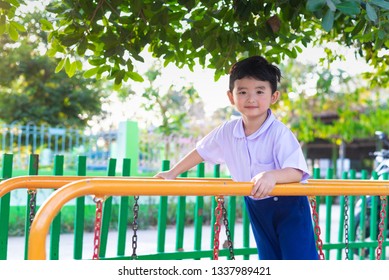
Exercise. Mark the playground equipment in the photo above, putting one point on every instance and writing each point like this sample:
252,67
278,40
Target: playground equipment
75,186
349,188
101,188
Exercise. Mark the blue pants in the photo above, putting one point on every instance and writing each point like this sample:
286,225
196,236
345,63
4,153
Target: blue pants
282,228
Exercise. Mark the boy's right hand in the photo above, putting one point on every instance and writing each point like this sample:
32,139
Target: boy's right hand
167,175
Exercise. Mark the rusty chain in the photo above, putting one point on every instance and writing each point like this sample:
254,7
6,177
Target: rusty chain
228,233
381,227
135,228
216,241
315,215
32,206
97,229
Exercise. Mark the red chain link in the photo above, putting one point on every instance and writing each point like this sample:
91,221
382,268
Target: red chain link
96,241
381,227
217,227
315,215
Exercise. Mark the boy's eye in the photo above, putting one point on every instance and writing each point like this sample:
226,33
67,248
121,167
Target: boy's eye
260,92
241,92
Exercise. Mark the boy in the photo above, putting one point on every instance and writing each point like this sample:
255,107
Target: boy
260,149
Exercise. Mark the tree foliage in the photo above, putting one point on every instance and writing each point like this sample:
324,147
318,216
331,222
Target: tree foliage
356,110
112,34
31,91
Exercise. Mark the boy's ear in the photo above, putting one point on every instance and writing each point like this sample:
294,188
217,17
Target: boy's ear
230,97
275,96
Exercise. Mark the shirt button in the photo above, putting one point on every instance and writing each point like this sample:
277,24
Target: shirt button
275,198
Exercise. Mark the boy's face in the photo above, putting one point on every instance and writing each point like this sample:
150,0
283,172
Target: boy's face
252,98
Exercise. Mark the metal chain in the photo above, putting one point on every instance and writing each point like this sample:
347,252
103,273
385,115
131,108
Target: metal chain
216,227
319,242
135,228
381,227
228,233
32,205
346,233
96,241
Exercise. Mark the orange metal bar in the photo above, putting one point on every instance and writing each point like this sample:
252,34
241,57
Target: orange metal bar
55,182
34,182
125,187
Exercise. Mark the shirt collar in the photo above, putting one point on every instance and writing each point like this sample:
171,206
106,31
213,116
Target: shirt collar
239,131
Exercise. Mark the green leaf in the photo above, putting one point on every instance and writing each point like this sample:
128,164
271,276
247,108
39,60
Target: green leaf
119,77
46,25
91,72
5,5
72,69
3,25
315,5
79,65
361,23
135,76
2,29
328,21
13,34
14,2
381,3
67,65
331,5
371,13
117,86
18,26
81,49
60,65
350,8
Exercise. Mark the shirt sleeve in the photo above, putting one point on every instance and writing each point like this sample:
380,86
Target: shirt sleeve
210,147
290,154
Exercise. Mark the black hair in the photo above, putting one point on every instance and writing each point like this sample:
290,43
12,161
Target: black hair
256,67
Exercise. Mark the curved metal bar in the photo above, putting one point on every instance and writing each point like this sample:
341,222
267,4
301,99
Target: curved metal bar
152,186
34,182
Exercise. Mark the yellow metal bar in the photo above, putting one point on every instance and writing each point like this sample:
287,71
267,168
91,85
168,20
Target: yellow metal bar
151,186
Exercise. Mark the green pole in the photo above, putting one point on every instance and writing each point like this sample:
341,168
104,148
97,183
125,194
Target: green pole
4,207
162,215
198,215
56,225
362,217
216,174
80,214
329,199
32,170
373,222
353,176
123,212
107,212
316,175
341,218
180,214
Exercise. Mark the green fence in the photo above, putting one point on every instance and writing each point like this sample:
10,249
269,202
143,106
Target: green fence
342,229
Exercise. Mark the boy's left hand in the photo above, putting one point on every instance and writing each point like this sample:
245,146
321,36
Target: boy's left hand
264,183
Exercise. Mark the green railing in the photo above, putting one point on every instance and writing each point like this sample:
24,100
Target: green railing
333,244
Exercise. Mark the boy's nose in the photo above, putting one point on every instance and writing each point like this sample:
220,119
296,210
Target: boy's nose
250,98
